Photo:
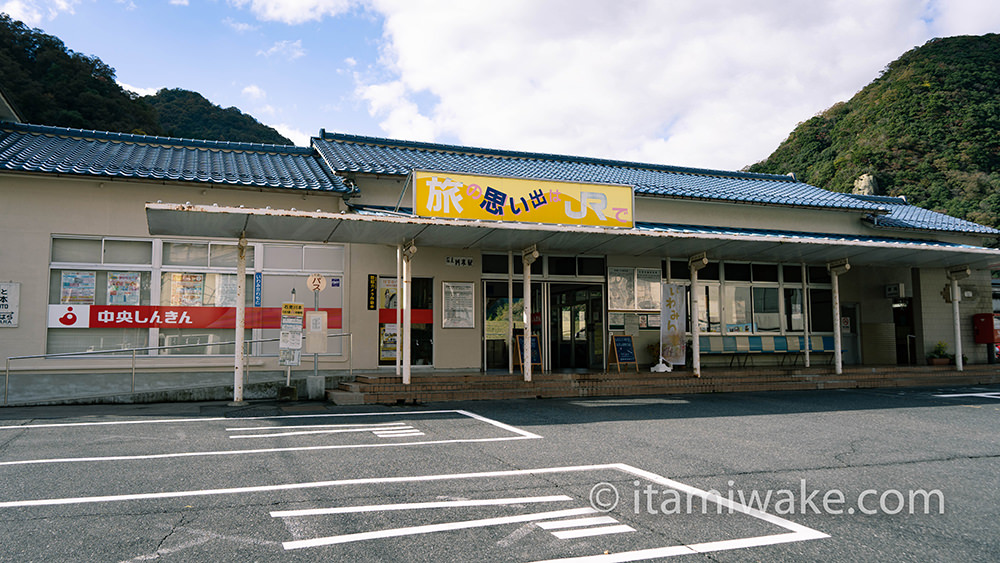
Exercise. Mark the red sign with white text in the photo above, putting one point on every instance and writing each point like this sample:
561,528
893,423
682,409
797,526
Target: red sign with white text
152,316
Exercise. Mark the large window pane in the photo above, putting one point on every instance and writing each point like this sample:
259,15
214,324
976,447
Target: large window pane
708,313
226,256
185,254
793,309
76,250
282,257
821,310
128,252
324,258
738,318
766,317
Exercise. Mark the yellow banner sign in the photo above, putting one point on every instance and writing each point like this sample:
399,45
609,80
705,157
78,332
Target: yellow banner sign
518,200
291,309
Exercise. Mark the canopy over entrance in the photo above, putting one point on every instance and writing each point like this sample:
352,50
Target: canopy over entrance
645,239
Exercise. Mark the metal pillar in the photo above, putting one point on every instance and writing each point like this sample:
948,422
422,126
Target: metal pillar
241,311
805,312
399,296
528,257
408,252
510,312
837,268
956,274
695,263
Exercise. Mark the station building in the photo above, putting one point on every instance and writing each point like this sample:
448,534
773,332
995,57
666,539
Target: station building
114,242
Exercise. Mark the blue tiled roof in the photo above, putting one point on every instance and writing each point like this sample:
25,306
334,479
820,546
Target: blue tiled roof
36,148
351,153
911,217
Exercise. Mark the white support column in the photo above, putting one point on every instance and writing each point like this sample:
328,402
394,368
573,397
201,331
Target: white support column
956,274
510,312
399,310
408,252
696,263
528,257
805,312
956,299
836,268
838,359
241,311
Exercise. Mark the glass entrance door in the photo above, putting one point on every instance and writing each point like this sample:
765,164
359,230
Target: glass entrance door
497,315
576,327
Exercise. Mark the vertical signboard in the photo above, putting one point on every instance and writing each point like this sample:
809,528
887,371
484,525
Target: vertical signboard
672,320
290,339
10,299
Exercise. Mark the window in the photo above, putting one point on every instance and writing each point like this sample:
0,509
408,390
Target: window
738,309
793,309
766,316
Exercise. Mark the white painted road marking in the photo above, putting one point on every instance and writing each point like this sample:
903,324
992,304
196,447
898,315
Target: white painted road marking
518,435
588,532
990,395
793,532
419,506
576,522
430,528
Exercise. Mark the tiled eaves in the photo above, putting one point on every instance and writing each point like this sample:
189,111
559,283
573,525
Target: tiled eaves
902,216
371,155
44,149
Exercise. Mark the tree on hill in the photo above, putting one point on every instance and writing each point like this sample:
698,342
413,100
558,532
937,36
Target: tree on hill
928,128
187,114
52,85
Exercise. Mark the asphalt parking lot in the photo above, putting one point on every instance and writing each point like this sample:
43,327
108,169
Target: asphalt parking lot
873,475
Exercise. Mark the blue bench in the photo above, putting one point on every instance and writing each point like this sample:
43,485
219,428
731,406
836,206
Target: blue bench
742,347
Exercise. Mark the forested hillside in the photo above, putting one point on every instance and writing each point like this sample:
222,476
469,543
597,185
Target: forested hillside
187,114
50,84
928,128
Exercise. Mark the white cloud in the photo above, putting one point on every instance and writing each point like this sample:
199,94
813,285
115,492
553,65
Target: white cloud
179,2
140,91
254,92
34,12
290,50
239,27
297,137
295,11
706,83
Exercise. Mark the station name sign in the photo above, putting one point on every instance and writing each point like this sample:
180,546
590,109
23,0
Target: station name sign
519,200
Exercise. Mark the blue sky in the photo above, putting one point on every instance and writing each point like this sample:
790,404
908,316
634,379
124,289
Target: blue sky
702,83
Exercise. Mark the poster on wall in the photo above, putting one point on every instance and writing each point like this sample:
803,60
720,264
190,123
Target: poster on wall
124,288
387,342
78,288
387,293
673,313
647,289
10,301
459,305
187,290
225,290
621,288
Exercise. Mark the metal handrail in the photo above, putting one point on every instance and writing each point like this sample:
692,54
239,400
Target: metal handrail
118,351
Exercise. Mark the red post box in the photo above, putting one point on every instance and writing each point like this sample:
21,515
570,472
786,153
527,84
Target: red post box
986,328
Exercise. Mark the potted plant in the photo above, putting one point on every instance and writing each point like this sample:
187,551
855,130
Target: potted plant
939,356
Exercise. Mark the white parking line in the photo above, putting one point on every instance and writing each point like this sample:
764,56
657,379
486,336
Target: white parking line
792,532
576,522
588,532
518,435
990,395
430,528
419,506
